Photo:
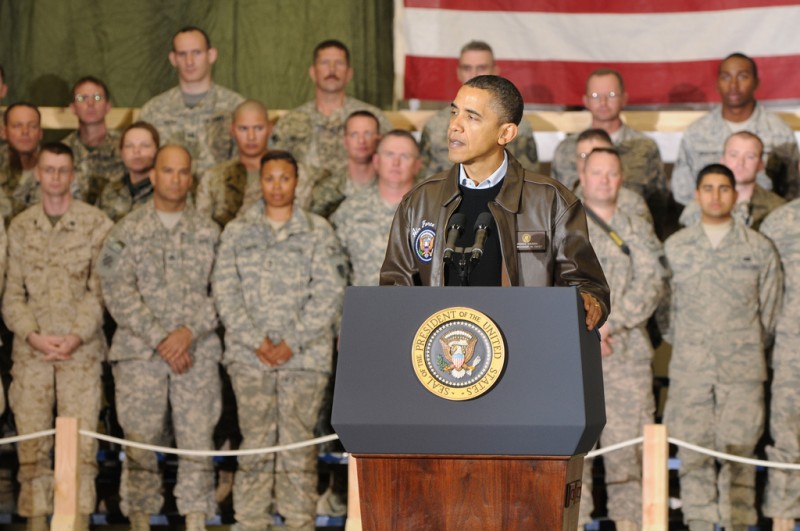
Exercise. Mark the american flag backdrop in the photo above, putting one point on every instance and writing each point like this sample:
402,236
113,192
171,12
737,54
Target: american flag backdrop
667,50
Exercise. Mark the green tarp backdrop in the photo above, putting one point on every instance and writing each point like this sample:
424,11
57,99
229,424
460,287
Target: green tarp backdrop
265,46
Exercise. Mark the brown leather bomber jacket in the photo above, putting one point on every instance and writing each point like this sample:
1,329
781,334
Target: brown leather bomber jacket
542,226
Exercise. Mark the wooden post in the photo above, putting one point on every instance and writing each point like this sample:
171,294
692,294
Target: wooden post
67,476
655,479
353,522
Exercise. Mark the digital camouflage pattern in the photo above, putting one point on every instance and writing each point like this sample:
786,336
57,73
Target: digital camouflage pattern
315,139
95,165
703,141
628,202
433,145
156,280
724,305
120,196
205,129
750,213
637,285
782,494
331,190
51,288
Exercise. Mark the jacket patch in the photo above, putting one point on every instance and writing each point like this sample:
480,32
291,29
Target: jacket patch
531,241
423,245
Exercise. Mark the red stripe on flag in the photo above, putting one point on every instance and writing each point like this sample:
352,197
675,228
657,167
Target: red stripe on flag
563,82
593,6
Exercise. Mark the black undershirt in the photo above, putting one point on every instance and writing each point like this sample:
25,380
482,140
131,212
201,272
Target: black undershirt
487,272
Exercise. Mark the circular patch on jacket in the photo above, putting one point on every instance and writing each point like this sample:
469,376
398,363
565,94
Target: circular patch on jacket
423,245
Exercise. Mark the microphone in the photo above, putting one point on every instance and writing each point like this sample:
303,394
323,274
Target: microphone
481,233
453,232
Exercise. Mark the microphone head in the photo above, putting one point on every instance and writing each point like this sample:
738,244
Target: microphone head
483,221
458,220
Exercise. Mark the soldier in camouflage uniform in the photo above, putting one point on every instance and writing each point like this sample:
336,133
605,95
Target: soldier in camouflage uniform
702,142
155,269
726,289
278,284
635,275
476,59
131,188
197,113
313,131
23,131
361,136
53,306
641,161
743,155
96,147
782,494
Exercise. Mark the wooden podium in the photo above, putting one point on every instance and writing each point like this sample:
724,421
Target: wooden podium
510,458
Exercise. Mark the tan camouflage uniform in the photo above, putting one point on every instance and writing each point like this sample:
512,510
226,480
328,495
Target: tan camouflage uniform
20,189
315,139
433,145
95,165
156,280
362,223
636,282
703,141
750,213
120,196
288,286
628,202
724,304
331,191
52,289
782,495
4,480
225,191
205,129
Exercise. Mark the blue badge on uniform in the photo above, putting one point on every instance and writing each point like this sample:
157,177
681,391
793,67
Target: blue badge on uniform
424,245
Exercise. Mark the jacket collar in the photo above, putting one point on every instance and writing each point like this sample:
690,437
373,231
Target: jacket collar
510,192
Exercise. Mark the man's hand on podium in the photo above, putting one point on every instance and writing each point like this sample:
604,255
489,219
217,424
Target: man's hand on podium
593,310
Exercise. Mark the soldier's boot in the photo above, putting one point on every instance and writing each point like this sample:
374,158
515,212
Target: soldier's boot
700,525
37,523
783,524
626,525
195,522
139,521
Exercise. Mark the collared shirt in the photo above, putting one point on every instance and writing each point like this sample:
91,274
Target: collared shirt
493,179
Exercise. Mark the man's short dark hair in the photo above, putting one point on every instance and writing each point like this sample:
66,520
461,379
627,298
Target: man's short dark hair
96,81
331,43
364,114
188,29
740,55
595,134
400,133
21,104
506,96
715,169
58,148
476,46
280,155
605,71
150,128
607,151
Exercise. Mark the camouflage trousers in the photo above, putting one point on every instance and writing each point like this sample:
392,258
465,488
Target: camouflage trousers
146,391
628,386
724,417
782,495
37,387
276,408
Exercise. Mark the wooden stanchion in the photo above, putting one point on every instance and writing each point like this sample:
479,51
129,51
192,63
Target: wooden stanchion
655,478
353,522
67,477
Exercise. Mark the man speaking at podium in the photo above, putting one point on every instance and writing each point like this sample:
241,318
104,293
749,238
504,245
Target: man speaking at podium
489,222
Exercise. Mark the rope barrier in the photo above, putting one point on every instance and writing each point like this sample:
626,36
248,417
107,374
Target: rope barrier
729,457
27,437
614,447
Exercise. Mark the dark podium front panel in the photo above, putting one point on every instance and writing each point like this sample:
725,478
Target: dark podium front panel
547,401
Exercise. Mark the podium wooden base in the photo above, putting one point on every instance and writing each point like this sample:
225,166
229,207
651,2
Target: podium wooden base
453,492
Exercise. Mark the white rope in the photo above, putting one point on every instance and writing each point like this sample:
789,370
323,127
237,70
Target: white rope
735,458
27,437
209,453
614,447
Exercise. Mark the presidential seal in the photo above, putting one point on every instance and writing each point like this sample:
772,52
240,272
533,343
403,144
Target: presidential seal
424,245
458,353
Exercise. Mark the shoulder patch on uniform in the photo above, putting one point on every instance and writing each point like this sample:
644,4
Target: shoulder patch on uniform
111,251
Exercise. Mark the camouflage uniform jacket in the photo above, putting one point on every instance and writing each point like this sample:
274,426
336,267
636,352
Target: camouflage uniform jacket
704,139
156,280
225,191
750,213
724,304
316,139
51,285
205,129
362,223
629,202
120,196
636,280
285,285
331,191
96,165
641,163
434,152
